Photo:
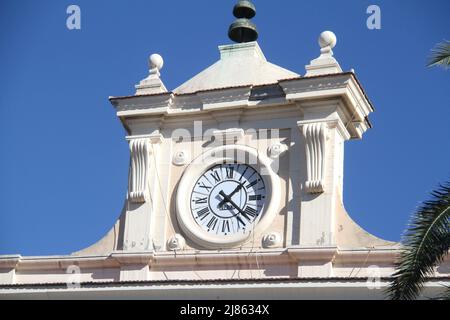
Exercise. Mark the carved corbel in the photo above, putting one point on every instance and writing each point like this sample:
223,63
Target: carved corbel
315,147
138,186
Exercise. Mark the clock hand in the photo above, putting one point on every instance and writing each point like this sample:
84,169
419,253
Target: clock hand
239,187
228,199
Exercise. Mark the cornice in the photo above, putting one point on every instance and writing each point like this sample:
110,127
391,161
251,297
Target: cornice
290,255
229,258
9,261
302,254
341,86
369,256
133,258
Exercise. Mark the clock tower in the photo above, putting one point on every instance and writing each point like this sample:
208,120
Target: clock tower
235,188
241,167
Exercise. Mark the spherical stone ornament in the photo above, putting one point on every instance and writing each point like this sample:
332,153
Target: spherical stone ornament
156,61
327,39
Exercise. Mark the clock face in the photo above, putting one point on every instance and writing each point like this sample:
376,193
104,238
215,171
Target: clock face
228,199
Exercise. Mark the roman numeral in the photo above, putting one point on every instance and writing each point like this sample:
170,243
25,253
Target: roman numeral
203,213
226,226
212,223
204,186
215,175
254,172
243,173
200,200
251,212
230,172
252,184
254,197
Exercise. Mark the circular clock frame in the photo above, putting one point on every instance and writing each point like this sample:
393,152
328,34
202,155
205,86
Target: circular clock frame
227,154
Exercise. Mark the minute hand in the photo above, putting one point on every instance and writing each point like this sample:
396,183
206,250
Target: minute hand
227,198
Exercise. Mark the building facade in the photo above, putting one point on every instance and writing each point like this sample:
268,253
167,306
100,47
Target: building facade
235,191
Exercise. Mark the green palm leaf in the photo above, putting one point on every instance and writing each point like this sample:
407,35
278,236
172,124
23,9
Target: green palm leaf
426,243
440,55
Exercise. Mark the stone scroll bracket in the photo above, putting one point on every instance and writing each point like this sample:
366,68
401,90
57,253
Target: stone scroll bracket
315,135
140,152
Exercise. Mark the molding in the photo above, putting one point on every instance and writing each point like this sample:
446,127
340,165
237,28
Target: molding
228,136
144,105
9,261
315,134
343,86
386,256
63,262
275,256
226,98
368,256
132,258
302,254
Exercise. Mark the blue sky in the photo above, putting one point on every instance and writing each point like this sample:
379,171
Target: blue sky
64,159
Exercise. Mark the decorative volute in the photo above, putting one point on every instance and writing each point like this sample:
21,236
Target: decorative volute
315,150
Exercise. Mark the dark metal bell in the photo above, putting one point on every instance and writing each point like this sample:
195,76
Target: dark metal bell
244,9
243,30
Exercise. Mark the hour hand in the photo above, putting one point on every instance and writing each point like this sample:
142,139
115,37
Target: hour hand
239,187
228,199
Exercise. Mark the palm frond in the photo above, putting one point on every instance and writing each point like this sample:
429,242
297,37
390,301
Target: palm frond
425,244
440,55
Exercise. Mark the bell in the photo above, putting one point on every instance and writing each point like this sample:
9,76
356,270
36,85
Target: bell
244,9
243,30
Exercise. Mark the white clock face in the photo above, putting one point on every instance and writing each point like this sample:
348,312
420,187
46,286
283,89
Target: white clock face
228,199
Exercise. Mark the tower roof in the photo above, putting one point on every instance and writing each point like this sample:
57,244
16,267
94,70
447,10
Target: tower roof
239,65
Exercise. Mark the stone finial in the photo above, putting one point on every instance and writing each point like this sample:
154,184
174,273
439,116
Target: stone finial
325,63
155,63
327,41
152,84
